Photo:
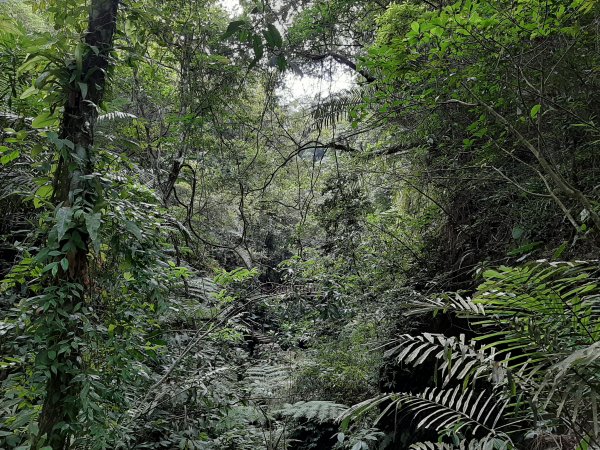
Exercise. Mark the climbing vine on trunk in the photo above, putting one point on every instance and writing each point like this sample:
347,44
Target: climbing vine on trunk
77,197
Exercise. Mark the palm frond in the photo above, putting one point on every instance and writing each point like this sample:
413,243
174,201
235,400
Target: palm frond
459,359
444,303
443,409
538,343
487,443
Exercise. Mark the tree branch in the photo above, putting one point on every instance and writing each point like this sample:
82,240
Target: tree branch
341,59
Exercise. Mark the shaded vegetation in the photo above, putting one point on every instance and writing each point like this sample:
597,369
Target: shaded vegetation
195,256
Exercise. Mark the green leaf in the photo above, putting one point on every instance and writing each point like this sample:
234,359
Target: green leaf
36,150
273,37
9,27
281,62
257,46
133,229
42,194
51,355
517,232
79,56
5,159
44,120
525,248
92,223
233,28
49,266
535,110
584,444
64,263
83,87
560,250
63,221
40,81
31,90
128,276
415,27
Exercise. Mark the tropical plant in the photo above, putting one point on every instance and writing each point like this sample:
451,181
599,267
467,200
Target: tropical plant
531,365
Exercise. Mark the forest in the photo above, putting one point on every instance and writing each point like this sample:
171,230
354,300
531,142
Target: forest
300,224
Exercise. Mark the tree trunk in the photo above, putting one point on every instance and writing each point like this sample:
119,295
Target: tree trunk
61,404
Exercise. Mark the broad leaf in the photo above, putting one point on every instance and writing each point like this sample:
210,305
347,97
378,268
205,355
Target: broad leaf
44,120
92,223
273,37
63,221
233,28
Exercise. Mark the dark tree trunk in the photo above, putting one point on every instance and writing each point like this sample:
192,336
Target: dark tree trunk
61,404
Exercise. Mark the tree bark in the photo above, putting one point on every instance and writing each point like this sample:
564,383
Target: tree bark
61,405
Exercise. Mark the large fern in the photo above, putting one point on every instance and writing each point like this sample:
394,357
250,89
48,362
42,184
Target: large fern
318,411
115,115
266,380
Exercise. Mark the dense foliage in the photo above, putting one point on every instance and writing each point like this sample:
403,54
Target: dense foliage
196,254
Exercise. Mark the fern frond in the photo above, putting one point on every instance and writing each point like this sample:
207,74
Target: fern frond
267,374
432,446
115,115
266,380
337,107
319,411
539,340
